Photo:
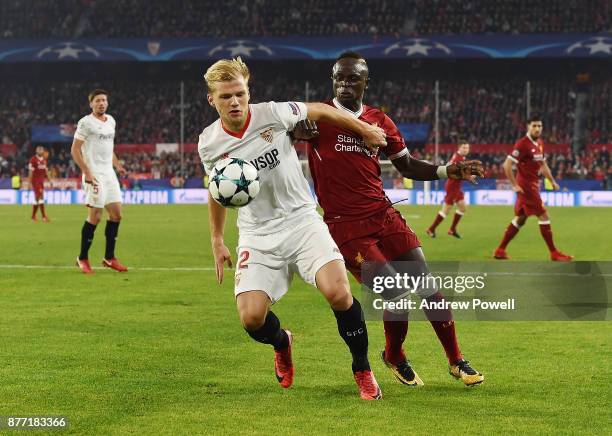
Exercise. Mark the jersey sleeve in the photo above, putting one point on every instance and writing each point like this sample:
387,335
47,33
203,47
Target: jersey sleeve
82,130
396,147
518,153
206,162
288,113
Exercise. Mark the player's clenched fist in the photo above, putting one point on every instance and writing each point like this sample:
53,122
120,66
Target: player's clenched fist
466,170
221,255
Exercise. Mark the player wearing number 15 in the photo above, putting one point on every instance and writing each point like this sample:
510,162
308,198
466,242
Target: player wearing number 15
280,231
92,150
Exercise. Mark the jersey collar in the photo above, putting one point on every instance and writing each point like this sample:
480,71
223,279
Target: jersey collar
339,106
239,134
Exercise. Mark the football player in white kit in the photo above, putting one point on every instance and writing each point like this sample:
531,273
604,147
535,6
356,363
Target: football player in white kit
92,150
280,231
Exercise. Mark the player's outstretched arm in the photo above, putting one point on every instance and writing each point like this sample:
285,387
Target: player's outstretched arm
373,136
77,155
415,169
216,219
510,175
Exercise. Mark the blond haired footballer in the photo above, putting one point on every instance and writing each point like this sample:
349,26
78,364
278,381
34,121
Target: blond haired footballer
280,231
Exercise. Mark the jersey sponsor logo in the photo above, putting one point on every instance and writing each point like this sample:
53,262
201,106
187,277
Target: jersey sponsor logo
268,160
267,135
103,137
350,144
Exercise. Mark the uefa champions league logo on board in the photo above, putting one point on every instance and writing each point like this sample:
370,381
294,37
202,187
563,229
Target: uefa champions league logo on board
591,46
418,47
68,50
240,47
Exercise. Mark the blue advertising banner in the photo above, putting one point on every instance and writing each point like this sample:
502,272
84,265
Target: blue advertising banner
401,196
52,132
297,47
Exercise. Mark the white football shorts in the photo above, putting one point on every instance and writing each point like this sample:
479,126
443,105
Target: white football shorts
267,262
106,191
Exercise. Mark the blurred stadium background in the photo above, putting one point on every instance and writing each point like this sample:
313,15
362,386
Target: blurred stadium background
442,70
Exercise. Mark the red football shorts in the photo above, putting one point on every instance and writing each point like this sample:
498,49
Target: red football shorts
453,196
382,237
39,188
529,203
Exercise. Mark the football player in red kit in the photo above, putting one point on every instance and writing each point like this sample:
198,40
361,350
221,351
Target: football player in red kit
360,217
528,155
454,196
37,173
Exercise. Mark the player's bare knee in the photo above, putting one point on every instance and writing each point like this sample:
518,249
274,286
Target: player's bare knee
115,217
252,321
340,297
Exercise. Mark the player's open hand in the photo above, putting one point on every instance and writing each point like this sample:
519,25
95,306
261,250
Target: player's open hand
90,179
374,137
466,170
518,189
122,171
556,186
221,255
305,130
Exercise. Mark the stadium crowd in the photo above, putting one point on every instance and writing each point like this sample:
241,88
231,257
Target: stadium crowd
484,110
593,164
193,18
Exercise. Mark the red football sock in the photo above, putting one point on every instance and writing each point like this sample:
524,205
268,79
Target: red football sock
456,219
439,218
34,210
396,328
444,326
510,233
42,210
546,232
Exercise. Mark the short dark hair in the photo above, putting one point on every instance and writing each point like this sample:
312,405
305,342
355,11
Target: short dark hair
350,55
462,141
536,116
95,92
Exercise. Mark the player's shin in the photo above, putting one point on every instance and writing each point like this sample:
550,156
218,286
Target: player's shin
111,231
546,232
511,231
353,330
87,235
442,322
270,333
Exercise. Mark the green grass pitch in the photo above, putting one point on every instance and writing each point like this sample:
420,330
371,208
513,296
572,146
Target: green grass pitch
161,351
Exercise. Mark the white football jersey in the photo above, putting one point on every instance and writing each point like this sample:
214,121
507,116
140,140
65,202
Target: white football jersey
284,192
99,137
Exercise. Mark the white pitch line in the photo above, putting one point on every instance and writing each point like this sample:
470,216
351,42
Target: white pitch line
207,268
141,268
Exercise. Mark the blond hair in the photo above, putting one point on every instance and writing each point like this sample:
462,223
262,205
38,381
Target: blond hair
226,70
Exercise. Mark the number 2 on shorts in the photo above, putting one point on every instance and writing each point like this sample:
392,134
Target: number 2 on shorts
244,256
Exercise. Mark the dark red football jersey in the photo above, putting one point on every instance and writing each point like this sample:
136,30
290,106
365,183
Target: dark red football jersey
346,173
528,156
38,166
454,184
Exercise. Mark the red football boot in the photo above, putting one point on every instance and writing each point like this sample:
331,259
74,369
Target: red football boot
557,256
114,264
84,266
500,254
283,365
368,386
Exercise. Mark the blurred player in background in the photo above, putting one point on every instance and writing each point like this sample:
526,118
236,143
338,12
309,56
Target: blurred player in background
454,195
360,217
92,150
280,231
528,156
37,173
